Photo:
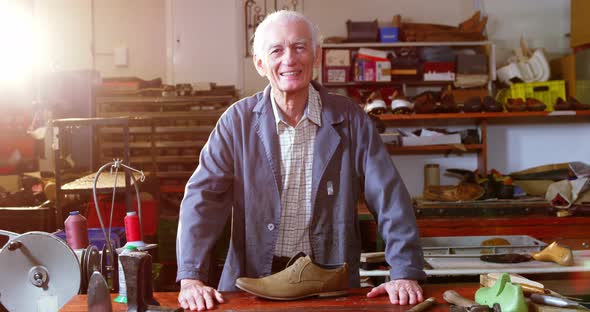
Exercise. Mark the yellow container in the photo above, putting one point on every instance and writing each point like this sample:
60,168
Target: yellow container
545,91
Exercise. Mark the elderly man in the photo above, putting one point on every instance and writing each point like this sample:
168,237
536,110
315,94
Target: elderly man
288,165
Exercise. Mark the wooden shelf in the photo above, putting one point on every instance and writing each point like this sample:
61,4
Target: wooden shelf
427,149
160,129
174,174
482,115
160,159
159,144
172,188
385,83
209,115
156,100
404,44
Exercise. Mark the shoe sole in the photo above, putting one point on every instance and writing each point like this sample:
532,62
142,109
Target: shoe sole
328,294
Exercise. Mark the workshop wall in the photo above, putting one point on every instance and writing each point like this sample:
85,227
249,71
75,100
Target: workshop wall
189,41
70,28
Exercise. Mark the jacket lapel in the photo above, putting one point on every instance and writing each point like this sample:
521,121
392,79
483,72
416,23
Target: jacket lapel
326,141
267,132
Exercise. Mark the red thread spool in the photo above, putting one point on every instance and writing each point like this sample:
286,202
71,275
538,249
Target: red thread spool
132,230
76,228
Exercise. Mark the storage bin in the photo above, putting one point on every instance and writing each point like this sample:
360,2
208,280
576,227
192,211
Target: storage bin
545,91
149,218
362,31
389,34
96,237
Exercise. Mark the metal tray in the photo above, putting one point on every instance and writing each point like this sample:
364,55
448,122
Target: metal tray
471,245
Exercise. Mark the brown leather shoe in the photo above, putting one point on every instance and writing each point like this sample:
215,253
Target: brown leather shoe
534,105
576,104
448,105
562,105
426,103
302,279
491,105
515,105
473,105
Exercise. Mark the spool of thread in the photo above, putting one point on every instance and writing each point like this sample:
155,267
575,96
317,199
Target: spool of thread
431,175
132,230
76,227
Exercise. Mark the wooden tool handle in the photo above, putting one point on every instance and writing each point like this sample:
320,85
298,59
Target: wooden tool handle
423,305
453,297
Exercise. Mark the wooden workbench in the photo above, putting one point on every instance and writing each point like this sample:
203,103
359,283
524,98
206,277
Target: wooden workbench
578,286
355,301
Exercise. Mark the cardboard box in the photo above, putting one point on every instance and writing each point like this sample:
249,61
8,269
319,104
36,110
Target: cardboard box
364,70
383,71
336,74
432,140
336,58
439,71
472,64
372,54
369,71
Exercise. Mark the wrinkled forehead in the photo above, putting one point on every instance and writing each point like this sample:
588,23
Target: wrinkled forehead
285,33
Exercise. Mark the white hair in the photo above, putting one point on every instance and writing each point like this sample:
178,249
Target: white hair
286,16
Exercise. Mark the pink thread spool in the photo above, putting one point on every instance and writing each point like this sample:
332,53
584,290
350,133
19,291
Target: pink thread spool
76,228
132,230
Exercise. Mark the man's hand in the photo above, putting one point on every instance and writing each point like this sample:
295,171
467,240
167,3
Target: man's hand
196,296
400,291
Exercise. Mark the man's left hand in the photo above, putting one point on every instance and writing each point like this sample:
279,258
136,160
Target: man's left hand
400,291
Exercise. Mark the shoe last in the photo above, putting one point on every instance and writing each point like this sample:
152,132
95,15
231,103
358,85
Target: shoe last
555,253
473,105
491,105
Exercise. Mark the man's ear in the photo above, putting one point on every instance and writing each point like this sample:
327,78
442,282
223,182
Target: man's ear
259,65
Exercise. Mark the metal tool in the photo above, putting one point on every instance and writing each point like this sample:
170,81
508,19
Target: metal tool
462,304
476,308
99,298
453,297
37,268
138,280
556,301
90,262
423,306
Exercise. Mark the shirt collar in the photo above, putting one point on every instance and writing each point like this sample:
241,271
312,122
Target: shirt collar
313,108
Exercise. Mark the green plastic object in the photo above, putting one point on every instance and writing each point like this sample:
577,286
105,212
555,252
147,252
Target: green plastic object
508,295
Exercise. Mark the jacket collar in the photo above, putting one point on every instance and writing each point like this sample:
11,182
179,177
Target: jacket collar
331,115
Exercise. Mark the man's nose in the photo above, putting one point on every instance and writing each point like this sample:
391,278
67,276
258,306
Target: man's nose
289,56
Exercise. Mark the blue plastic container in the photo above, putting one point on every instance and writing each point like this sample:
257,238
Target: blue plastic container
96,237
389,34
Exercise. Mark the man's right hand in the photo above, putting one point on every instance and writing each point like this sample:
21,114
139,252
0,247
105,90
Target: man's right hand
197,296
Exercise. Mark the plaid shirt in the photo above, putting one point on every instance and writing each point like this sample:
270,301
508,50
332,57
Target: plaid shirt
296,166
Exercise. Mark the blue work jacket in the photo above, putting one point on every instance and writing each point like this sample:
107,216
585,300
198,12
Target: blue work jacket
238,176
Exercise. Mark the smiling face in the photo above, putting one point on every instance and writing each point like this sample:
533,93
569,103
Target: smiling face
287,57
